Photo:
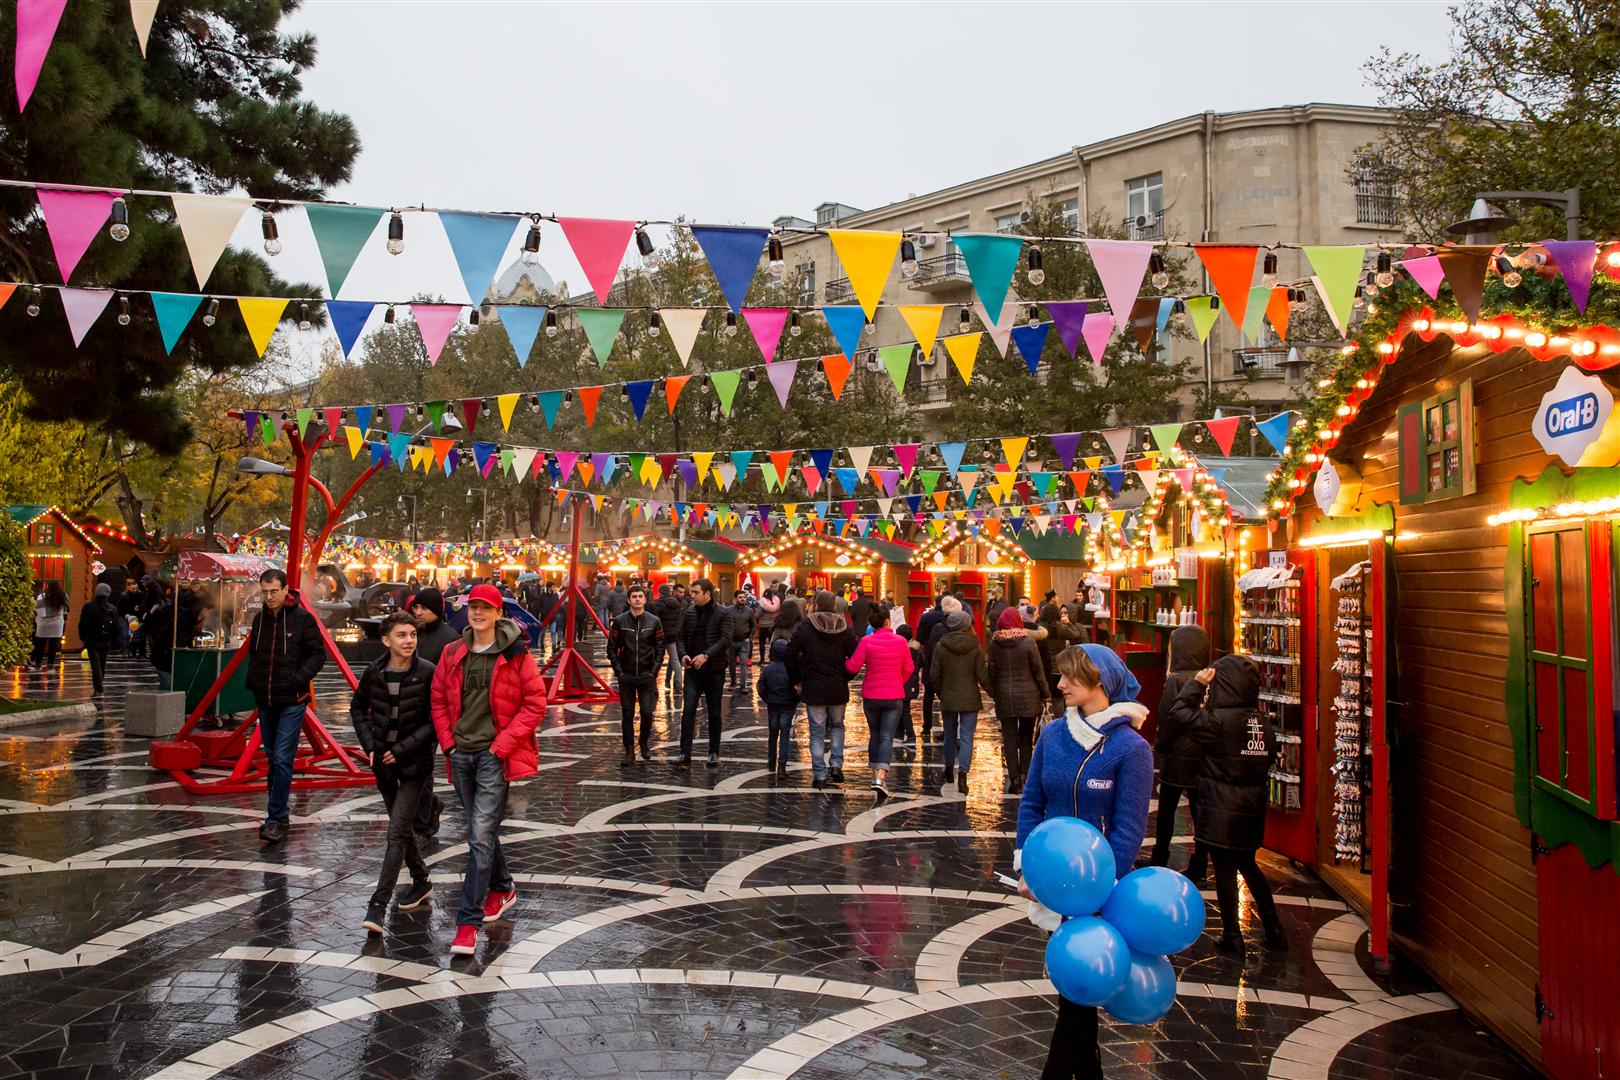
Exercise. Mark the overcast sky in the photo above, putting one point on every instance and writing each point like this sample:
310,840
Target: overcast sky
735,113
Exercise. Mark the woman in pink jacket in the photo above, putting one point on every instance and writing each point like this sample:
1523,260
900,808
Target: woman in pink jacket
888,663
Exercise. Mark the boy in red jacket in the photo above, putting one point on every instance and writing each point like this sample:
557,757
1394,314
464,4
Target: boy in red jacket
487,701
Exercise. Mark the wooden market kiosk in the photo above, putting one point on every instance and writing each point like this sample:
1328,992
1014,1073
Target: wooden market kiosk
1472,477
977,566
59,550
810,560
655,559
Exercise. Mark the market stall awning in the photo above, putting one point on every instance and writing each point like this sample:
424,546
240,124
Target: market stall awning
890,550
716,553
1053,546
1244,482
218,566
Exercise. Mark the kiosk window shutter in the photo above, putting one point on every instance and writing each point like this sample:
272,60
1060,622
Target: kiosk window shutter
1559,651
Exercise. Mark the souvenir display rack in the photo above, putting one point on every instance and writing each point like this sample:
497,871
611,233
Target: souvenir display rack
1352,709
1272,637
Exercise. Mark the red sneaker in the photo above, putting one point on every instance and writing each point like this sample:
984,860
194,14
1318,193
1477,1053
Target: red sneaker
466,941
497,903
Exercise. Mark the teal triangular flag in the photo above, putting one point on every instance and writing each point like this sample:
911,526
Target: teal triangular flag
740,460
550,402
991,260
341,233
602,328
174,312
522,325
846,323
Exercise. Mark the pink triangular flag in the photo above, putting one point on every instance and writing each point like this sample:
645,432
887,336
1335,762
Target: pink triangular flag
73,218
599,244
1427,272
1120,264
84,307
781,375
1097,329
36,27
766,324
435,321
566,460
906,455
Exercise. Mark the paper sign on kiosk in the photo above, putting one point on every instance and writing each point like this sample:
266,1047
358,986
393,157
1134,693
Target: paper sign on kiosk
1572,418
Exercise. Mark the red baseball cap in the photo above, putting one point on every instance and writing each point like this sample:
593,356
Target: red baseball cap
488,594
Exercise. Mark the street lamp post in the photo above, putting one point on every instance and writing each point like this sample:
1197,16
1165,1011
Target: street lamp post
1484,220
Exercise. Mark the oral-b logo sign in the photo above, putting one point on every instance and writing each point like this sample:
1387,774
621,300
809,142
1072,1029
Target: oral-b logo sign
1572,415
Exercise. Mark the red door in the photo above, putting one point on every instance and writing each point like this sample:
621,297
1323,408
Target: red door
1579,957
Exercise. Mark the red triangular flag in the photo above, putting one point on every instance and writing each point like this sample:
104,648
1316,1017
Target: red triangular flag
1231,270
1224,430
673,385
588,398
470,408
334,416
599,246
782,460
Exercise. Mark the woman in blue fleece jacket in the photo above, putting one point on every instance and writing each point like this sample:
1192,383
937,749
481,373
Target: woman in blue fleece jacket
1094,766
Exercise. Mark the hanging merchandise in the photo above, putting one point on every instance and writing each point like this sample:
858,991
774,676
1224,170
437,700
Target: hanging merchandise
1352,709
1272,630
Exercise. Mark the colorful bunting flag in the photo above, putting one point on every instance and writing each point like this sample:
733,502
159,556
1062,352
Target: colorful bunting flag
1098,328
846,323
1031,339
601,327
1426,271
1066,444
781,375
963,349
261,314
348,319
1119,441
837,367
683,325
1120,264
550,402
1465,269
1337,270
1165,436
206,224
673,385
1224,430
1068,316
725,387
600,245
84,307
1278,310
142,12
860,457
639,391
897,362
923,321
434,321
341,233
1203,315
867,258
733,255
522,324
72,218
1231,270
1275,429
1000,330
478,242
991,259
1575,260
36,28
1255,313
589,398
505,404
766,325
174,312
906,455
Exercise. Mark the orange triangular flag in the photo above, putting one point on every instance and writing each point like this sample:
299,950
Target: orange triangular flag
991,527
1277,311
1231,270
588,398
1081,479
837,367
782,460
673,384
6,289
941,498
441,450
586,470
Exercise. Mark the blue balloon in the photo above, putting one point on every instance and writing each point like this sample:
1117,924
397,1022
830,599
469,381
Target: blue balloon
1148,993
1087,960
1069,866
1158,910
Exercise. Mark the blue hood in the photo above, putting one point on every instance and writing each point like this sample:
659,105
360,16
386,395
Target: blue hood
1117,681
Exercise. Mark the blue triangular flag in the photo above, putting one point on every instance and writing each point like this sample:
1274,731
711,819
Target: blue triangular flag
847,479
836,526
846,322
1115,475
1167,304
550,402
741,459
398,442
915,502
1031,339
522,323
991,259
362,417
639,391
733,255
822,460
482,451
348,319
1275,430
821,510
174,312
478,242
952,453
379,453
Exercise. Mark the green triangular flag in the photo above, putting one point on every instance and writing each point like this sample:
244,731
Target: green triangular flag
930,479
636,462
602,328
304,417
267,430
1338,270
341,233
507,457
1203,315
550,402
435,411
725,387
897,359
1255,314
768,471
1165,436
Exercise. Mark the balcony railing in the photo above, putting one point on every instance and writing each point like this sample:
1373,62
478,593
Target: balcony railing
947,269
1265,364
1377,207
839,291
928,391
1146,226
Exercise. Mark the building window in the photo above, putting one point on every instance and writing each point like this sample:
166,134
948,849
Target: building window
805,274
1378,197
1560,660
45,534
1144,207
826,215
1009,222
1070,209
1437,446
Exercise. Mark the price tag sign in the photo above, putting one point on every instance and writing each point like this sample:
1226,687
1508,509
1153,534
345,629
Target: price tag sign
1279,560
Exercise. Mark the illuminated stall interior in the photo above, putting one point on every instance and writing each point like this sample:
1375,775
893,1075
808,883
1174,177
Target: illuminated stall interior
809,561
59,550
657,560
978,567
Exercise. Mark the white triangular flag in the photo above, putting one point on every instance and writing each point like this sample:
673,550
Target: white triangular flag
84,307
861,458
142,12
522,461
206,223
1001,332
683,325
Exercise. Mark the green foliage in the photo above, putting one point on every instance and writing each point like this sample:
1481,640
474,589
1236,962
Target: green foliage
16,596
214,106
1528,100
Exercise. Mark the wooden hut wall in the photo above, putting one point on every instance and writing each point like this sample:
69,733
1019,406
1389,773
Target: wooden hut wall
1463,884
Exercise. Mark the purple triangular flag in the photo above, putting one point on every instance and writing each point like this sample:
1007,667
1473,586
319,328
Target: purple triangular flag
1575,260
688,470
396,417
1068,316
1066,444
781,375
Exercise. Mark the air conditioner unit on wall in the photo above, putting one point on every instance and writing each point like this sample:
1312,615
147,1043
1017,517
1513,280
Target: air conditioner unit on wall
927,359
927,240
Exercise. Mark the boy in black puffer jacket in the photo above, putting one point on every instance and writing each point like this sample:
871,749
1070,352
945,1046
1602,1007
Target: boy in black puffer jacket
393,719
781,700
1179,756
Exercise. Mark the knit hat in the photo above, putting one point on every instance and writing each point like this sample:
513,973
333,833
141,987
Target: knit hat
430,598
1010,620
103,591
950,605
958,620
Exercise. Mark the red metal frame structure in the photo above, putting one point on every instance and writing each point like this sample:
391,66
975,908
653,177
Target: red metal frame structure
570,679
325,762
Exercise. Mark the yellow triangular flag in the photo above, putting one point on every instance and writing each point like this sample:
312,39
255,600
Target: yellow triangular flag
964,350
1005,481
261,313
421,455
357,439
924,322
867,257
1013,450
702,459
506,403
142,11
1094,463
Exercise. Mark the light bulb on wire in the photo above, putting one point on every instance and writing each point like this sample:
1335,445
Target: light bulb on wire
33,300
551,324
774,261
731,324
531,245
396,234
1384,271
1161,276
303,317
1268,271
123,310
965,321
119,229
793,324
272,237
211,313
1036,272
908,258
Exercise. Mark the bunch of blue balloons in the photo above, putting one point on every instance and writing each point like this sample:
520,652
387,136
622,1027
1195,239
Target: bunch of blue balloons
1113,945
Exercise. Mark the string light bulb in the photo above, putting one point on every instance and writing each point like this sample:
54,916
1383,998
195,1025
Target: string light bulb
731,324
1384,271
794,328
1268,271
472,319
211,313
908,258
303,317
390,316
964,321
272,237
774,260
654,321
119,229
871,327
123,310
396,233
1036,273
644,243
1161,276
531,245
551,324
33,300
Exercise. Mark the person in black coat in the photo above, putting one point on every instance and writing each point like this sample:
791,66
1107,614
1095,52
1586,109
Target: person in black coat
636,649
707,630
285,653
860,610
102,629
1180,757
392,715
934,616
433,634
1233,779
670,610
816,656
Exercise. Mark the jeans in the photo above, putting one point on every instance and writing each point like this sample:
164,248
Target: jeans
480,780
707,683
1229,863
1073,1054
882,717
557,629
672,666
739,657
1164,833
403,796
959,728
779,725
826,738
629,694
1017,739
98,665
279,729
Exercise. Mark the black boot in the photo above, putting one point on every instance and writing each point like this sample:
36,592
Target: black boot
1230,944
